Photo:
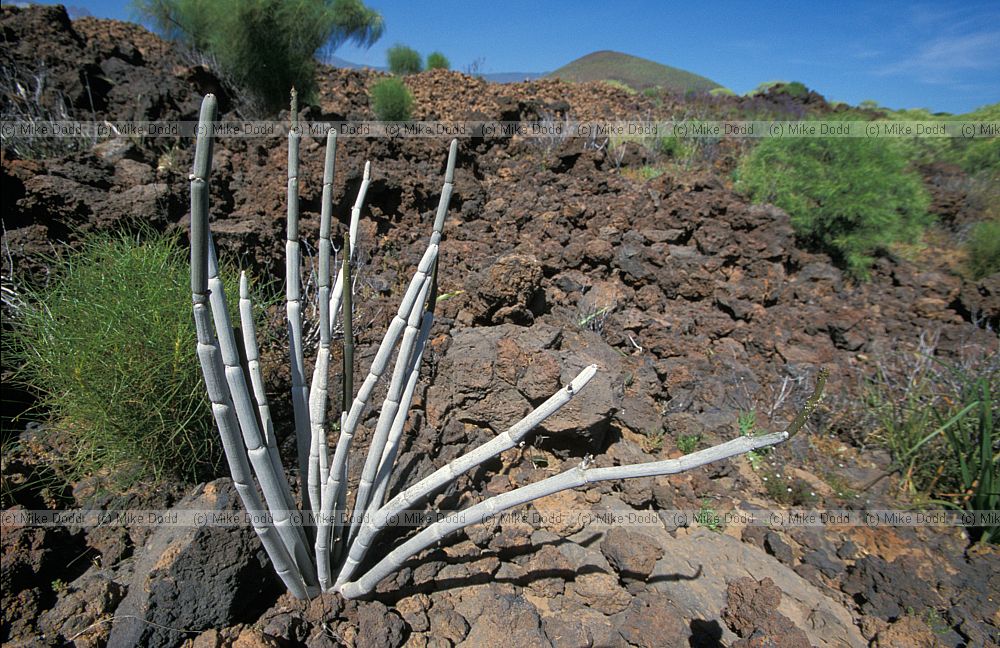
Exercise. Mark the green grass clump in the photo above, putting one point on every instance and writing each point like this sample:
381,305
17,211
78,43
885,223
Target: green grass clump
938,421
391,100
109,347
850,197
708,517
983,248
403,60
438,61
686,443
266,47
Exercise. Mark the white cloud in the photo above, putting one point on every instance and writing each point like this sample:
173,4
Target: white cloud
942,57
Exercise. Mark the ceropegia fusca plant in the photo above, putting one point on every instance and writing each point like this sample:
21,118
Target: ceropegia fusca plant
339,538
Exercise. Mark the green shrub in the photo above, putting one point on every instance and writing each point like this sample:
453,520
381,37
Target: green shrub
721,92
109,347
391,100
795,89
403,60
983,248
764,87
620,85
671,146
266,47
438,61
982,154
850,197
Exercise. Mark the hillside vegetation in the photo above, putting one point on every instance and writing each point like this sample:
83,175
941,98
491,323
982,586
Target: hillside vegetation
635,72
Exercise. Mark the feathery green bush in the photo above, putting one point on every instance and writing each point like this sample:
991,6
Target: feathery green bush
391,100
403,60
849,197
438,61
984,249
266,46
108,346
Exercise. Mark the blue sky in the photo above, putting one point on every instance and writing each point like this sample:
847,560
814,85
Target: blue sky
944,56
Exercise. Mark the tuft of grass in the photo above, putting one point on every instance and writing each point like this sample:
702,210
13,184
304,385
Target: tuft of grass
448,295
788,491
747,424
840,485
109,347
850,197
983,248
686,443
654,441
708,517
938,422
931,618
594,320
391,100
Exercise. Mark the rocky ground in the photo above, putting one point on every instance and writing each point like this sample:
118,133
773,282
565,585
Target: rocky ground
695,304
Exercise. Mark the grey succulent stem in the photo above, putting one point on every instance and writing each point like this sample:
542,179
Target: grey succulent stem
573,478
293,308
338,288
396,431
338,473
390,406
331,507
412,373
318,393
249,329
246,415
413,495
210,358
348,317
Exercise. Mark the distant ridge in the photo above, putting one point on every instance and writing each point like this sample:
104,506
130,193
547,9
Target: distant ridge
338,62
635,72
495,77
